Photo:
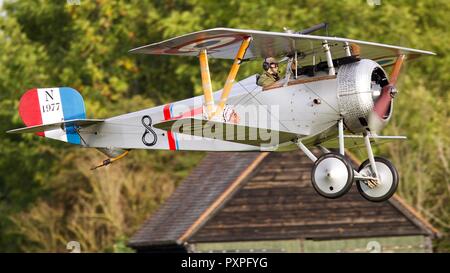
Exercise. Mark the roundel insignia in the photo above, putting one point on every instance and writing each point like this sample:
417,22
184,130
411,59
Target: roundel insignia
208,43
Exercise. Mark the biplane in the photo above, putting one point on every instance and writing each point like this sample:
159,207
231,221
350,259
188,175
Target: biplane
338,95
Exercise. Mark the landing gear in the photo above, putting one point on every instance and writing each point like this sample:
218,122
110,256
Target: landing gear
381,189
332,175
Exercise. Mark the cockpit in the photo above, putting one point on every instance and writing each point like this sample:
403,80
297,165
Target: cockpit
303,74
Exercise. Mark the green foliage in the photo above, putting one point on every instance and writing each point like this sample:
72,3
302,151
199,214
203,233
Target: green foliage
51,43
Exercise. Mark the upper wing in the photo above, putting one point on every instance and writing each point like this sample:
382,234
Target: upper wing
56,125
223,43
227,132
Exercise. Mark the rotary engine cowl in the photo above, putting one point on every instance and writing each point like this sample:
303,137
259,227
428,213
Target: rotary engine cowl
359,85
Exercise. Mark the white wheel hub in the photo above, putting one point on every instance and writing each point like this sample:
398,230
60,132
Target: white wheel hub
331,175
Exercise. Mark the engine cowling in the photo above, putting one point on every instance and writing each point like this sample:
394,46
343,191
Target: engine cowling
359,86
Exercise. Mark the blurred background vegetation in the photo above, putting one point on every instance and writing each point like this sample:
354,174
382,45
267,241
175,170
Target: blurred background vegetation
48,195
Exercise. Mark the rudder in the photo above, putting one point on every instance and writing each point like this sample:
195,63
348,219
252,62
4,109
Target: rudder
49,105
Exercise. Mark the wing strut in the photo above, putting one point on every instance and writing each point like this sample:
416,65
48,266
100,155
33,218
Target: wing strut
232,75
206,82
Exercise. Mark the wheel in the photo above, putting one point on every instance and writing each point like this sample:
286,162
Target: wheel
332,175
388,180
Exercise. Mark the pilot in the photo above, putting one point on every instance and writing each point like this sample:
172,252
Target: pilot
270,75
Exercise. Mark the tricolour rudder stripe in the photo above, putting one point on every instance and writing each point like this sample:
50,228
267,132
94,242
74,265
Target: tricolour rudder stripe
29,109
73,108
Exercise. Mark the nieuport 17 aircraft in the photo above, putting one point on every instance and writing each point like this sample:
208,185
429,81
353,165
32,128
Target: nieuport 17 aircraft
336,95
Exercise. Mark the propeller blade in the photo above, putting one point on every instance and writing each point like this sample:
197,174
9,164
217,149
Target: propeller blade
383,102
388,92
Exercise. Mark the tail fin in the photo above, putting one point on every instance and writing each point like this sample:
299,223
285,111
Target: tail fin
42,106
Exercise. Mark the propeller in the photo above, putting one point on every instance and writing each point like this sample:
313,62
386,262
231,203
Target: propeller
379,113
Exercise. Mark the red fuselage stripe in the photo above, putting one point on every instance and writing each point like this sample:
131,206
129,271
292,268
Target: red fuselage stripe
170,137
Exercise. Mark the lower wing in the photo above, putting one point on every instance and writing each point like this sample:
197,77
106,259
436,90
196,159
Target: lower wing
355,141
236,133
